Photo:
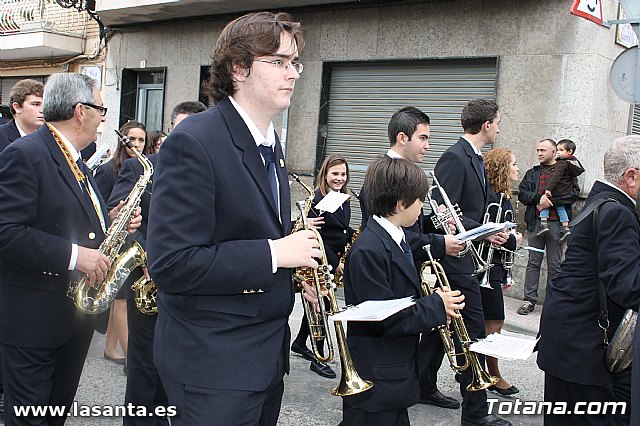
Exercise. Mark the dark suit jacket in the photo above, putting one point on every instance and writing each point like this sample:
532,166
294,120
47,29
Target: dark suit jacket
335,232
131,171
571,346
106,176
222,313
8,133
458,171
42,212
386,352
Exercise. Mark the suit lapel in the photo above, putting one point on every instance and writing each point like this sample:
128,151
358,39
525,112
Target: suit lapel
475,162
69,178
283,182
14,133
243,140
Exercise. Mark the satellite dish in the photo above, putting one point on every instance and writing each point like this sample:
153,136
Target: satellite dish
623,75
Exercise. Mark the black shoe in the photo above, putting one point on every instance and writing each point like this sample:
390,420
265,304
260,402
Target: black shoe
526,308
322,369
440,400
303,351
564,235
544,228
511,390
488,420
119,361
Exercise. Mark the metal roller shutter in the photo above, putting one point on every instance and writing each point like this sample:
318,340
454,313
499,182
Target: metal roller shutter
364,96
6,83
635,124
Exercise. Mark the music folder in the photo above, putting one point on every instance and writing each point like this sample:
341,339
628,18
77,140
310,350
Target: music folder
484,231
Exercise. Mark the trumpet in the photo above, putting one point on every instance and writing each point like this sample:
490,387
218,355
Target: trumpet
350,382
441,219
486,249
508,258
429,283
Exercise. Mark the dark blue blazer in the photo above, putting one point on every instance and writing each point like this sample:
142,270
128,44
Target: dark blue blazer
458,171
8,133
106,176
222,313
129,174
386,352
335,232
571,345
42,212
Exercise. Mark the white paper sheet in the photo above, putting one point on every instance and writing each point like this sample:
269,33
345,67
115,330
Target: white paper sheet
332,201
373,310
484,231
504,347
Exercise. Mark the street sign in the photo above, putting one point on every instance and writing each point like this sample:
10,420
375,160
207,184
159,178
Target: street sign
588,9
623,75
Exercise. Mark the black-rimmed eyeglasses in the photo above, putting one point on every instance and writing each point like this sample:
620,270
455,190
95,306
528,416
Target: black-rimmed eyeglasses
279,63
102,110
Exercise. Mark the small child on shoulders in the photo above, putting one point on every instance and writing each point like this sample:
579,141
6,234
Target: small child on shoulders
380,267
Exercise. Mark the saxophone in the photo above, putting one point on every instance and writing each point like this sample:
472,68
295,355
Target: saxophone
92,300
145,295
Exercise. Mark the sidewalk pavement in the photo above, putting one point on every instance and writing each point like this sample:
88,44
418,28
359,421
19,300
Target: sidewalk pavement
522,324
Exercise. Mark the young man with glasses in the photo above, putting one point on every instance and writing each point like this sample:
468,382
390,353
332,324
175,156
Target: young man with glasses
221,199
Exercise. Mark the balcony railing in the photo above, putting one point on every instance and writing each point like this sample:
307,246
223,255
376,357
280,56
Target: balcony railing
25,16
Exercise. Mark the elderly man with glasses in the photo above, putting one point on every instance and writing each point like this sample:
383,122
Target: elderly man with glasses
599,279
52,221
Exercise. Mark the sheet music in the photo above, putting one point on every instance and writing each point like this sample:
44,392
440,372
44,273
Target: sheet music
484,231
332,201
373,310
505,347
95,158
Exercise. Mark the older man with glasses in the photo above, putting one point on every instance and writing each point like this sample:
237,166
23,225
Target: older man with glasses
52,221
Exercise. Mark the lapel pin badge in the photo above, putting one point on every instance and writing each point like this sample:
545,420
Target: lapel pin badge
281,162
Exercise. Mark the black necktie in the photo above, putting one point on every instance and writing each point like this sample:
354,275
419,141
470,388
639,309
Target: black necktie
407,250
270,166
481,166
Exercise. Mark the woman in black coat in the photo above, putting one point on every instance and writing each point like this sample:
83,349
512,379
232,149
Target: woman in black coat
335,232
501,171
105,177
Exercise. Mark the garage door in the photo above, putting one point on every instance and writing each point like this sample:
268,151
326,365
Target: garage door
363,97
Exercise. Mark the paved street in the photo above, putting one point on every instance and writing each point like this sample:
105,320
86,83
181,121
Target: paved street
307,399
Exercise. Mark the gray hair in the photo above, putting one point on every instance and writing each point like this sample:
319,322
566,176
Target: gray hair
62,92
623,154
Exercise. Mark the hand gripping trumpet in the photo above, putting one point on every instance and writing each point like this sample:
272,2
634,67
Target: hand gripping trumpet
440,220
96,300
322,281
481,379
486,249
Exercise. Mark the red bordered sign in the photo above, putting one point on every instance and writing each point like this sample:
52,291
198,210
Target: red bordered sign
588,9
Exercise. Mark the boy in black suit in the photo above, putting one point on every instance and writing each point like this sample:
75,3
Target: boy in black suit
380,266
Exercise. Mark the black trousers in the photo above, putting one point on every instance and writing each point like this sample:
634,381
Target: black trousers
144,387
430,354
221,407
354,417
474,404
44,376
558,390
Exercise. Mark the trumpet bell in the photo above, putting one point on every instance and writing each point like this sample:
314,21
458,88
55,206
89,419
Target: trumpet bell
481,379
350,381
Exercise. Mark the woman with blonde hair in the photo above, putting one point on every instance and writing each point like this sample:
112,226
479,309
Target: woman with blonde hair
335,232
501,170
